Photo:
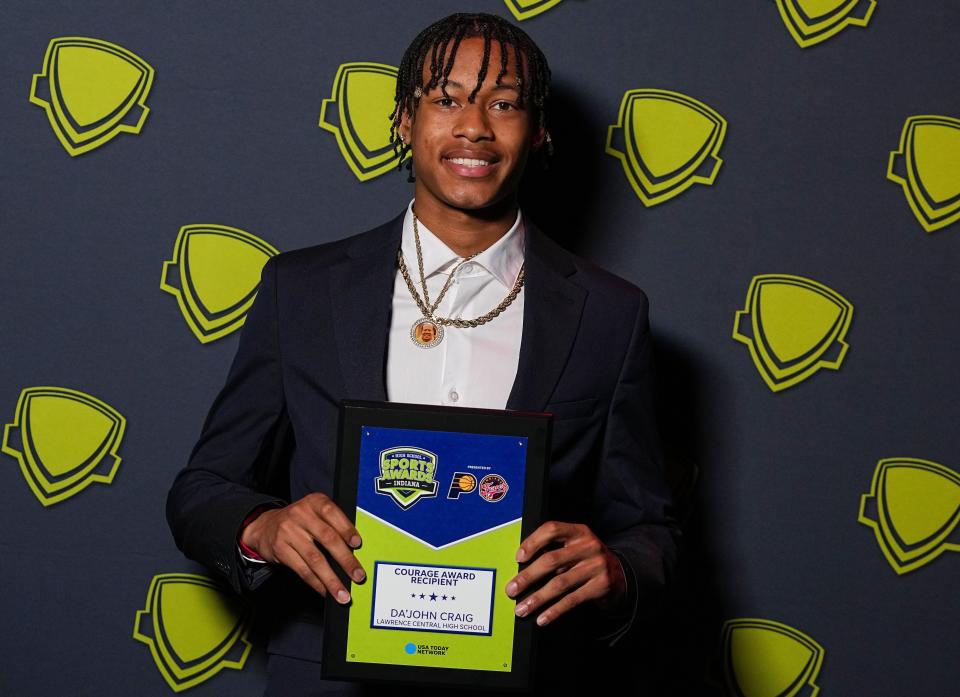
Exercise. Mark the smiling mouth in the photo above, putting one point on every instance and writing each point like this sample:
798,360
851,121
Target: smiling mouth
468,161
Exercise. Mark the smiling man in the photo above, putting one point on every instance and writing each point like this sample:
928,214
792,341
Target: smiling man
458,301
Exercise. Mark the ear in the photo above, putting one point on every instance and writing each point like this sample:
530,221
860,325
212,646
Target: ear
406,123
539,138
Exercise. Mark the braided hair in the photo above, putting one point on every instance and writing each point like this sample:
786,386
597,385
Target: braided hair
432,44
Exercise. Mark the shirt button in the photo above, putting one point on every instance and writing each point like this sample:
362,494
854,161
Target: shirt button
454,396
467,268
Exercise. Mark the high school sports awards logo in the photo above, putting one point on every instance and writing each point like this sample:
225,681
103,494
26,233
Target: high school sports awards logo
407,475
666,142
793,327
914,510
927,167
65,440
92,91
813,21
194,629
764,658
358,114
215,275
525,9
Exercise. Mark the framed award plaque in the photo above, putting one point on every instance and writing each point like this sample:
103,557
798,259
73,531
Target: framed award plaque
442,498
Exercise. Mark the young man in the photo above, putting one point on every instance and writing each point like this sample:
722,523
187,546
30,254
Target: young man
458,301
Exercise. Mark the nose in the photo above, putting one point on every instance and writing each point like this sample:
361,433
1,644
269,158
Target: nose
473,123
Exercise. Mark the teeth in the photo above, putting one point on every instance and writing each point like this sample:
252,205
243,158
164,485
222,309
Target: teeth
469,162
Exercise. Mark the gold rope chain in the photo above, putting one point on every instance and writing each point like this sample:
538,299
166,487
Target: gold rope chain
424,303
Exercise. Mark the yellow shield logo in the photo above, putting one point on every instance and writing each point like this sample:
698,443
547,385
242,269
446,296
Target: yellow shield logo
358,114
927,166
813,21
92,91
666,142
913,508
525,9
194,629
64,440
763,658
793,327
217,276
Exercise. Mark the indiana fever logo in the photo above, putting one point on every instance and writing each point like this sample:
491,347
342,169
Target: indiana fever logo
813,21
407,475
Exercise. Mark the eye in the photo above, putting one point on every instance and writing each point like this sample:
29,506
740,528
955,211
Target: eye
444,101
505,106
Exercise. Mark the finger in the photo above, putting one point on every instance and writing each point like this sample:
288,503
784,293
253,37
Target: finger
313,558
593,588
327,509
558,587
543,567
288,556
545,534
330,540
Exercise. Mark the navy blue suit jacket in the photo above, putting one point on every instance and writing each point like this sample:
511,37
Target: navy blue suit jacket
317,333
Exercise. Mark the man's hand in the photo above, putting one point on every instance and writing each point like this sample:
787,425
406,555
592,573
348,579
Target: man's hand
291,535
583,568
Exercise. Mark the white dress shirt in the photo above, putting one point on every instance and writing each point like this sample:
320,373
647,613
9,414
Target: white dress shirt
473,367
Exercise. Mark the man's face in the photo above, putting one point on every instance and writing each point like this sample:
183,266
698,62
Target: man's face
470,156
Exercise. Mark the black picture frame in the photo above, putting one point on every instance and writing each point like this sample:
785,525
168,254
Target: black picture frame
354,416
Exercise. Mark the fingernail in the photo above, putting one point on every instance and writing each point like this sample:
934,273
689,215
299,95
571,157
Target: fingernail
355,541
358,575
343,597
543,619
511,588
521,609
521,555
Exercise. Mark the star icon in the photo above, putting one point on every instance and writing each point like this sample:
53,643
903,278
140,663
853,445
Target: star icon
444,597
421,596
453,597
433,596
413,595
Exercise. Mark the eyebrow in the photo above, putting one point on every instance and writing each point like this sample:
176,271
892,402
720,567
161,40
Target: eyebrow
502,86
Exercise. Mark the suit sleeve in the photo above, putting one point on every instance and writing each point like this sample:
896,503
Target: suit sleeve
633,506
224,479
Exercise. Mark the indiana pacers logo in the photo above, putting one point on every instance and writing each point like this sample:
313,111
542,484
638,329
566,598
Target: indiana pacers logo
407,475
64,440
194,629
461,483
763,658
813,21
215,274
666,142
358,114
927,166
92,91
793,327
913,508
525,9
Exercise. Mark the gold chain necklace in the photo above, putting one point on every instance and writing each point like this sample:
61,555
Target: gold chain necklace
427,331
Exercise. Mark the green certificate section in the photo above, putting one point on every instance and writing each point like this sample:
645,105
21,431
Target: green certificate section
456,638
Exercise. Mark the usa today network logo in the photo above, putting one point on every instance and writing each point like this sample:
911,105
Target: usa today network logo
426,649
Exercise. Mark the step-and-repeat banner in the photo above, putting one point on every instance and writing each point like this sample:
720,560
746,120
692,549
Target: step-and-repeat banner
782,177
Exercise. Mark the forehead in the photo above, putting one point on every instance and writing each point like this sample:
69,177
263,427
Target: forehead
469,60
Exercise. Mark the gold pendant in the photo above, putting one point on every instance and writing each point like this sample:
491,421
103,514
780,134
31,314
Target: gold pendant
426,333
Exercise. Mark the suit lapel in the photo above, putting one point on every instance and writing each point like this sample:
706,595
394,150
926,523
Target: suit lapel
362,292
552,308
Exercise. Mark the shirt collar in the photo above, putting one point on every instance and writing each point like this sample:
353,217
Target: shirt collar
502,259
